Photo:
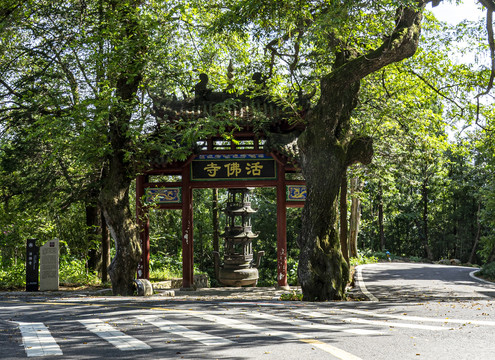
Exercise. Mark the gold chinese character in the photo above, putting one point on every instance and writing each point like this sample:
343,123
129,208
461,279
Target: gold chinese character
212,169
233,169
254,168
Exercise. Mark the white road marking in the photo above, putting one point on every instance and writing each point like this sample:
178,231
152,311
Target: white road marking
371,322
362,286
338,353
243,303
171,327
37,340
242,326
420,319
115,337
394,324
311,325
472,275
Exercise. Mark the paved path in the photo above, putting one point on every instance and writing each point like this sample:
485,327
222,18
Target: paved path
203,294
128,328
421,282
418,311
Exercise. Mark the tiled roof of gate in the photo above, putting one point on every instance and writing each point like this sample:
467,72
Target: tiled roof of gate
245,109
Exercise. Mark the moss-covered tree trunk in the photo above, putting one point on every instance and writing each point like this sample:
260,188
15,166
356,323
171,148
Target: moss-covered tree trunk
327,147
114,196
114,200
322,270
125,70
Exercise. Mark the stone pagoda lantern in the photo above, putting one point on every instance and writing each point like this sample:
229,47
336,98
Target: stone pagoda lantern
238,268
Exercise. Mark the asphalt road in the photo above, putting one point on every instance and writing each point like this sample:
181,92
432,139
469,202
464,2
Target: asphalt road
394,327
422,282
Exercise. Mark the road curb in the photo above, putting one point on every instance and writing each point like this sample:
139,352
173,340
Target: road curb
472,274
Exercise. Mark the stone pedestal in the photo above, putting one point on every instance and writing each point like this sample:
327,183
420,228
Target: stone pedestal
49,268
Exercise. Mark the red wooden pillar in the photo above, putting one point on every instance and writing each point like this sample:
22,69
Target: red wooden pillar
187,230
281,228
143,270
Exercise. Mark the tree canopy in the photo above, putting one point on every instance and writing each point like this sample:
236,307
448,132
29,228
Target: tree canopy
78,81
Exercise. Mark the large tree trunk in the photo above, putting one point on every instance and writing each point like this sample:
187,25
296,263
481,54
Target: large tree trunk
114,200
327,147
126,75
323,271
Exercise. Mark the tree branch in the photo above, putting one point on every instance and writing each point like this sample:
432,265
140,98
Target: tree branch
437,90
360,150
402,44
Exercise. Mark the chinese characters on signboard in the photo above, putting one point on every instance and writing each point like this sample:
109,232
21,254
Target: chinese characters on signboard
233,167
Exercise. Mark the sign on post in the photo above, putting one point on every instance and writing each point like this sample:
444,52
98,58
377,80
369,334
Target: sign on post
32,265
49,265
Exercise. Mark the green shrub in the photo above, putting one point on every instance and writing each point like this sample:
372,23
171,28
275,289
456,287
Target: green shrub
416,259
488,271
74,272
292,271
363,258
13,277
163,267
292,296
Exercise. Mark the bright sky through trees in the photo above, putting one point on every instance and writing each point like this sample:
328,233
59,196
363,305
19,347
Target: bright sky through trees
454,14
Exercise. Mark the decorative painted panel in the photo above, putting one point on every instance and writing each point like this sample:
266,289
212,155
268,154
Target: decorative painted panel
169,195
296,193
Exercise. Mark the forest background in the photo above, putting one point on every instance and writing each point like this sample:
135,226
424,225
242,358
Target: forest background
428,195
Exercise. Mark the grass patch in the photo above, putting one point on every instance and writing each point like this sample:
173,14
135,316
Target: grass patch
292,296
363,258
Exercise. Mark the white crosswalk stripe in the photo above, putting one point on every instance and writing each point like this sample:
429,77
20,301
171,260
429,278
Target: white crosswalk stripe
37,340
243,326
113,336
299,327
394,324
420,318
312,325
286,335
171,327
320,315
